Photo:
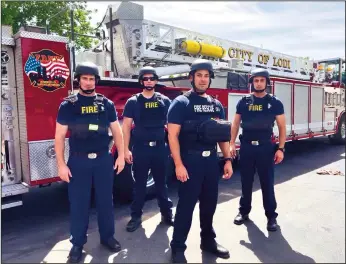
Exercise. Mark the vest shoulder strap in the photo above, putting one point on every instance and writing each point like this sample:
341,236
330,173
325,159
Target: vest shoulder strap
99,98
71,98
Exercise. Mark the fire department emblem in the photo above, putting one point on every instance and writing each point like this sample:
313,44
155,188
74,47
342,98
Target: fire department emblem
47,70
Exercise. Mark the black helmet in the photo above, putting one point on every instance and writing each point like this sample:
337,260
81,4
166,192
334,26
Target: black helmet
202,64
260,72
147,70
87,68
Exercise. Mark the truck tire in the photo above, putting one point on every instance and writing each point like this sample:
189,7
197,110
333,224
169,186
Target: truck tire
124,182
340,137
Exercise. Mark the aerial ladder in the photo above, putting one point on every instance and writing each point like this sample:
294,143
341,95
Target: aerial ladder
138,42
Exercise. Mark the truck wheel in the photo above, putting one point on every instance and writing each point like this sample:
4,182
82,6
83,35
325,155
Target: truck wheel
340,136
124,182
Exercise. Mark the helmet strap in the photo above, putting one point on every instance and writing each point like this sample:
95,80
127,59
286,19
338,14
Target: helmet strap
87,91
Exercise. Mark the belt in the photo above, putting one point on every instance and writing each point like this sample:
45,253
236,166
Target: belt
256,142
151,143
89,155
203,153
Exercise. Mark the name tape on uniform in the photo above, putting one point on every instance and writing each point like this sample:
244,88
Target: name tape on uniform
93,127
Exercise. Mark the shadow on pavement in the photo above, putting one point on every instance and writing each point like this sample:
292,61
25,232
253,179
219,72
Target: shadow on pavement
272,249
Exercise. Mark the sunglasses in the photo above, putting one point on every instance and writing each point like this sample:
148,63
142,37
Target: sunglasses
149,79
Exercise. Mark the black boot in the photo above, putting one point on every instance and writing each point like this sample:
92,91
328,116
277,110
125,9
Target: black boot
240,219
215,248
167,220
112,244
75,254
133,224
272,225
178,256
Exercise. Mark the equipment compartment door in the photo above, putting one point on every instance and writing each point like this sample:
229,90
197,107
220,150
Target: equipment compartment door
317,103
283,91
301,109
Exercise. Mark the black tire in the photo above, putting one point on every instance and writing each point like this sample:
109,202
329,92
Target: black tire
340,137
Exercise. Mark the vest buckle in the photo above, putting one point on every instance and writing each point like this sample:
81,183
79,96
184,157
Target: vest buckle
92,155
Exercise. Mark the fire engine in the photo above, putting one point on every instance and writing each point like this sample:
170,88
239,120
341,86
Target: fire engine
37,73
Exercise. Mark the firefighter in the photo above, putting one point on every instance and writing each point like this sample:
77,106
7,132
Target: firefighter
88,116
148,111
257,113
195,126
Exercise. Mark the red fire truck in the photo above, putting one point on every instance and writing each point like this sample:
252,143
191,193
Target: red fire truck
36,75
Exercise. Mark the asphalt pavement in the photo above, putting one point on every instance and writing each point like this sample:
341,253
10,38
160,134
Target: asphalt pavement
311,210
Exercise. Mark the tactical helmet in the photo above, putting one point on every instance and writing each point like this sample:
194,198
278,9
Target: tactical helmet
87,68
202,64
260,72
147,70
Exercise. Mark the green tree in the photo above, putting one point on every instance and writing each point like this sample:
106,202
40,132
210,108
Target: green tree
35,13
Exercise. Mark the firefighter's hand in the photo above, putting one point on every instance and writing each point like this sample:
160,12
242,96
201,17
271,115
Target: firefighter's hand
181,173
279,156
119,164
128,157
227,170
64,173
233,150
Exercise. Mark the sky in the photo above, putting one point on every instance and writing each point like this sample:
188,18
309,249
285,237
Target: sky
304,29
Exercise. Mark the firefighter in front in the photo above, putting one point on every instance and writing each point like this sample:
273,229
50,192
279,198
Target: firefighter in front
195,126
88,117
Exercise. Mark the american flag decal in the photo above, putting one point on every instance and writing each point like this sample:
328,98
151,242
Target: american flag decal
47,70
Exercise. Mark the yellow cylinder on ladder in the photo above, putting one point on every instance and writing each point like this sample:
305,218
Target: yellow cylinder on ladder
197,48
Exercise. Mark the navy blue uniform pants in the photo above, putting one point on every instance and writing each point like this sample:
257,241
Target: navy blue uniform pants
261,159
202,185
152,158
86,172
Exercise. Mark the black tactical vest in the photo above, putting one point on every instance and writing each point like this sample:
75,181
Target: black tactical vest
152,114
252,122
95,126
206,128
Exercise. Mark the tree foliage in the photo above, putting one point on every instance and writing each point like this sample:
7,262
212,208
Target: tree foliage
35,13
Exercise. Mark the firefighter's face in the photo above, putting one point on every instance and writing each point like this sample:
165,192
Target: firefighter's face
87,82
201,79
149,80
259,83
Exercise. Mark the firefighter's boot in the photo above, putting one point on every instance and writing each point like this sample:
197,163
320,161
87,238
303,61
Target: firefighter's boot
178,256
112,244
133,224
240,219
272,225
216,249
75,254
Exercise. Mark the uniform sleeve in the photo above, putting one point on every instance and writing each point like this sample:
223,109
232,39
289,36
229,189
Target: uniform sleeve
279,108
222,111
63,114
239,107
167,103
112,113
176,112
129,109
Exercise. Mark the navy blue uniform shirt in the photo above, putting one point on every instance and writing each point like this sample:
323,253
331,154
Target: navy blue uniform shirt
149,116
194,108
86,114
256,115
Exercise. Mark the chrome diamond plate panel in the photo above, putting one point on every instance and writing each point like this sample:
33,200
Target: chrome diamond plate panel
41,165
6,31
7,41
34,35
13,189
